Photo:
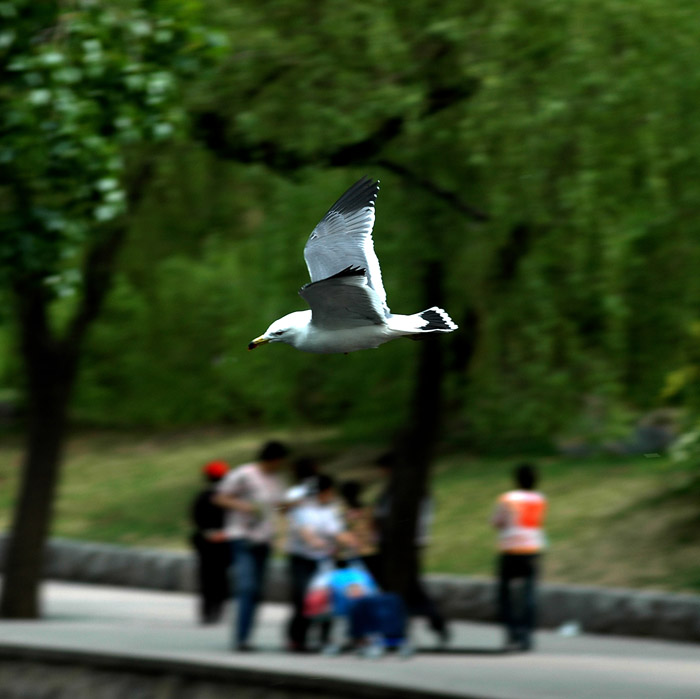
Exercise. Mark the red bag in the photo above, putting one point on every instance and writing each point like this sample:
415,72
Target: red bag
317,602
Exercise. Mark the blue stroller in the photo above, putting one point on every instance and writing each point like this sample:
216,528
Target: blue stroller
372,621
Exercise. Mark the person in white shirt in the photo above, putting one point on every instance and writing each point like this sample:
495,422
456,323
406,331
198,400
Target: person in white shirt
305,473
316,531
252,494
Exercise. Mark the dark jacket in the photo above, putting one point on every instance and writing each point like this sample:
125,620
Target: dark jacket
205,514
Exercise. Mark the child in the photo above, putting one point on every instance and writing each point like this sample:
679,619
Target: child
373,621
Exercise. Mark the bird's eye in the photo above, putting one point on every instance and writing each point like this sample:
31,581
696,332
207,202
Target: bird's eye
278,332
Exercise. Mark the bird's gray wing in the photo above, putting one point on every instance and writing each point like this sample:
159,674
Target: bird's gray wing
343,239
344,300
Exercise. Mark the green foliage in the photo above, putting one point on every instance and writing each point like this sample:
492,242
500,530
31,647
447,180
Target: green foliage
571,123
83,83
682,383
683,387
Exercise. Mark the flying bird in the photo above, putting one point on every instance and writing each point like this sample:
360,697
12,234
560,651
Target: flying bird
348,304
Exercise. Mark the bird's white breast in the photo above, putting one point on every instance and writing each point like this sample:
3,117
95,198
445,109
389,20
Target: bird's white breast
325,341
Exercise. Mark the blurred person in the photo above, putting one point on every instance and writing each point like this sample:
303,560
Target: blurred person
519,517
364,618
305,471
359,520
316,533
418,602
252,495
211,546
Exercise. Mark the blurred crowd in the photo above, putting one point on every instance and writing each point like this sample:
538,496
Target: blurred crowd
336,554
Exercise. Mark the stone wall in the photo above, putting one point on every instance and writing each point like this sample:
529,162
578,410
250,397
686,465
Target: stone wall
595,609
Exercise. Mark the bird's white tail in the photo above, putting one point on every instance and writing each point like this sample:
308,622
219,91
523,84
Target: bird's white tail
429,321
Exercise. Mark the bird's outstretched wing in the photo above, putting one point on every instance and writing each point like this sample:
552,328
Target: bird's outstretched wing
343,239
343,301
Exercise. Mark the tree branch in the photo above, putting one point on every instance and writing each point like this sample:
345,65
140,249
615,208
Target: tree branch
98,269
212,128
445,195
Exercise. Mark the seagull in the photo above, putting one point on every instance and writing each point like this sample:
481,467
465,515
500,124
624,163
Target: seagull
348,304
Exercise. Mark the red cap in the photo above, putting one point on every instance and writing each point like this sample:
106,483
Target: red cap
216,469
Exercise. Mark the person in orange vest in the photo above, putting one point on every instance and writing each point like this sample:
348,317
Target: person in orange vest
519,518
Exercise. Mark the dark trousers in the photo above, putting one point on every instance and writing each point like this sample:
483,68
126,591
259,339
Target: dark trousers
213,560
301,571
250,567
518,616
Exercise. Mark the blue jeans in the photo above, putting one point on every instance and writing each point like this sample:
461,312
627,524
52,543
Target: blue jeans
249,568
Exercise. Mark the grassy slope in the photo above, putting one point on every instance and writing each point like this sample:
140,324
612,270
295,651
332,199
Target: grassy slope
631,522
617,522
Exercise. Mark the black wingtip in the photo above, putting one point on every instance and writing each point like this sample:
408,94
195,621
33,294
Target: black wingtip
363,193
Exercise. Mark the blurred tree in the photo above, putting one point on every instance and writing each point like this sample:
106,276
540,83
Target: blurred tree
540,157
83,84
568,178
371,97
682,388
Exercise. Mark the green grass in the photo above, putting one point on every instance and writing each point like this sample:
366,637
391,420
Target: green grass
632,522
612,521
132,489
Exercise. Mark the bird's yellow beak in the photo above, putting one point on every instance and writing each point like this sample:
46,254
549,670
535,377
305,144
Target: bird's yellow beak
257,341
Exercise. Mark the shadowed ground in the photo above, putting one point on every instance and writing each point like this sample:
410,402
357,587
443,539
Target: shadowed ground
148,626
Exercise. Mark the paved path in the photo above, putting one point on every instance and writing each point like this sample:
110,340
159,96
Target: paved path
160,626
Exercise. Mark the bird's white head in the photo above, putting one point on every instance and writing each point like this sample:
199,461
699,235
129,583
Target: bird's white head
288,329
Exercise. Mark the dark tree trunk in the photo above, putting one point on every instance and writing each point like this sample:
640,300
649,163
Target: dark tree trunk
32,518
51,367
414,453
24,556
414,450
50,371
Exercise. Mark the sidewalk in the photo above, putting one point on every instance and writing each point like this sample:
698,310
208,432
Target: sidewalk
149,626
